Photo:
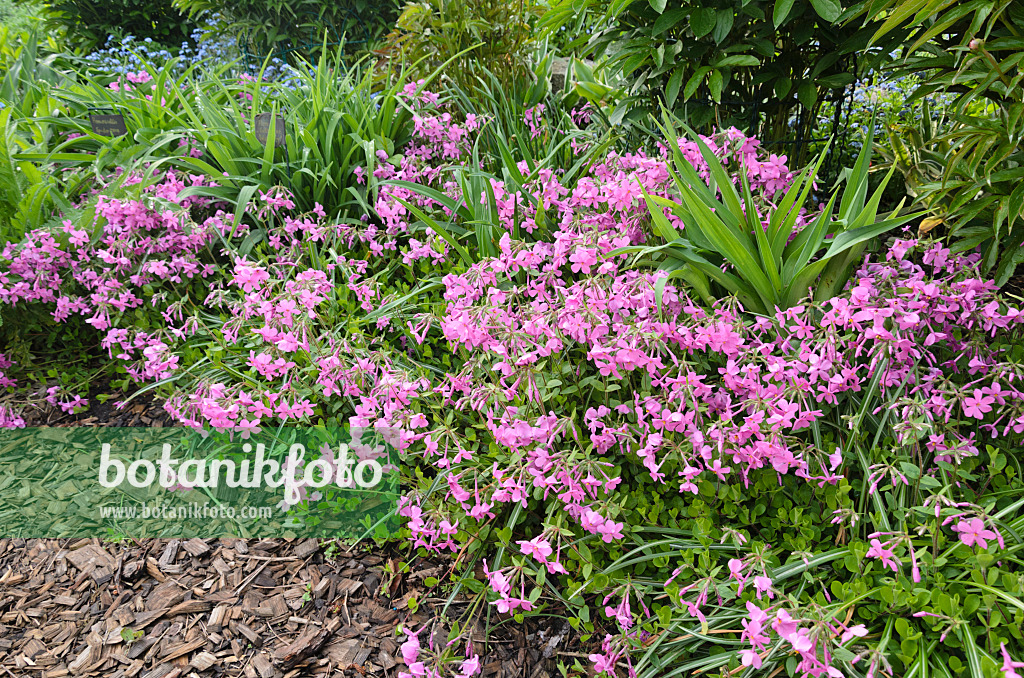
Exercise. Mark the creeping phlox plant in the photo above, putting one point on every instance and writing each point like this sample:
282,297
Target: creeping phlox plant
591,436
134,255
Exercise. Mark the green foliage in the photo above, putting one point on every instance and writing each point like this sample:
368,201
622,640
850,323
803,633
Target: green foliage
20,16
28,192
51,150
482,36
504,105
334,123
87,24
700,58
770,266
971,172
294,29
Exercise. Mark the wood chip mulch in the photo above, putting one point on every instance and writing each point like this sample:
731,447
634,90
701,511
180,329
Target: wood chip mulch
229,607
198,608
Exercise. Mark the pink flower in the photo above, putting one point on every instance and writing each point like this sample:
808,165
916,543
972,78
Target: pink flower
1009,667
858,631
469,667
978,405
603,663
410,648
763,585
888,558
537,547
973,532
750,658
736,572
610,531
582,259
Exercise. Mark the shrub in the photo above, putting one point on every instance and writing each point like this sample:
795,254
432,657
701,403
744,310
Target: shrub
479,35
293,30
87,24
833,487
739,63
563,402
163,254
976,190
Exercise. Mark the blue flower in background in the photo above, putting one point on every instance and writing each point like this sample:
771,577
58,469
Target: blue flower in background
210,48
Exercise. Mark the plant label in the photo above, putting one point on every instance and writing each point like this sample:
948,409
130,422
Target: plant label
263,128
108,125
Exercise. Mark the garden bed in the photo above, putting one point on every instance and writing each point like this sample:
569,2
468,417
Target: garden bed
652,399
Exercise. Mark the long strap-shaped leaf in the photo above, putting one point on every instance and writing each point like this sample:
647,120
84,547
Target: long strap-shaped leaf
744,292
771,260
686,175
433,194
730,197
807,242
731,247
661,223
848,239
783,219
856,191
870,211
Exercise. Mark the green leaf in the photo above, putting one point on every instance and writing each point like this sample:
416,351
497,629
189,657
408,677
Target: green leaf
829,10
857,184
702,21
669,19
807,94
715,85
658,5
539,219
738,60
659,287
674,83
661,223
771,259
782,9
730,246
723,24
440,230
694,82
783,86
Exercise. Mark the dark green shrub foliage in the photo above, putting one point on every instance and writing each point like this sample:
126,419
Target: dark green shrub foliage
750,63
968,171
296,28
88,23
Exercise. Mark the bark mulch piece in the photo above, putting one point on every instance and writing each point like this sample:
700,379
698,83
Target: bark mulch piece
273,608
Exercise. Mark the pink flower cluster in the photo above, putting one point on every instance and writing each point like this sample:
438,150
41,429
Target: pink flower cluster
435,662
693,397
813,647
107,269
609,195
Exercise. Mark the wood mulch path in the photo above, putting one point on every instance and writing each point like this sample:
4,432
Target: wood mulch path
272,608
227,607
